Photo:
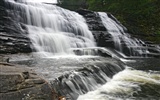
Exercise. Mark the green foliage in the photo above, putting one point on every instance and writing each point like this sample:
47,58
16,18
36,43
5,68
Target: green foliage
72,4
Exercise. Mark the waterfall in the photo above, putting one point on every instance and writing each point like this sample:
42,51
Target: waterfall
122,41
57,31
52,29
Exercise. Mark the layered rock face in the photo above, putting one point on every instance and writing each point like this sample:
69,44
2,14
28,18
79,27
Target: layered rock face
22,84
93,20
13,38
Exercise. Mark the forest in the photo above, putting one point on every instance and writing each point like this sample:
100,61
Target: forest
141,17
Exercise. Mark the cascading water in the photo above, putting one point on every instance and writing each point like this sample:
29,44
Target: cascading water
129,84
54,30
51,28
122,40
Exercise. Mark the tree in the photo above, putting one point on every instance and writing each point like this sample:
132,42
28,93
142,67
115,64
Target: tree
72,4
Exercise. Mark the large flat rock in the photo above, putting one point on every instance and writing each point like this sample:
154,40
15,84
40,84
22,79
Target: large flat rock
19,83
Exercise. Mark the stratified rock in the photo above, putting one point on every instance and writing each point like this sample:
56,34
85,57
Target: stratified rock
13,35
93,20
14,44
22,84
103,39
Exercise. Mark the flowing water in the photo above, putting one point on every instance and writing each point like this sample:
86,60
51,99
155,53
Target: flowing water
120,37
129,84
72,76
107,79
139,82
56,31
51,28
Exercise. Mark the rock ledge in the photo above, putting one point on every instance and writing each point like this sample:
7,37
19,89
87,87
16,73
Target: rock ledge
19,83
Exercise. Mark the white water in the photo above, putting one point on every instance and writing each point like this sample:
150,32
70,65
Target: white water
124,85
119,36
52,29
45,1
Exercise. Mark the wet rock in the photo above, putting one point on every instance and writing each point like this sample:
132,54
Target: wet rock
93,20
3,58
86,79
13,35
20,84
14,44
103,39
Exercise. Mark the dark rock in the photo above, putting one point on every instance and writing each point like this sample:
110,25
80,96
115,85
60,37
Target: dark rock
103,39
93,20
14,44
85,12
13,34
